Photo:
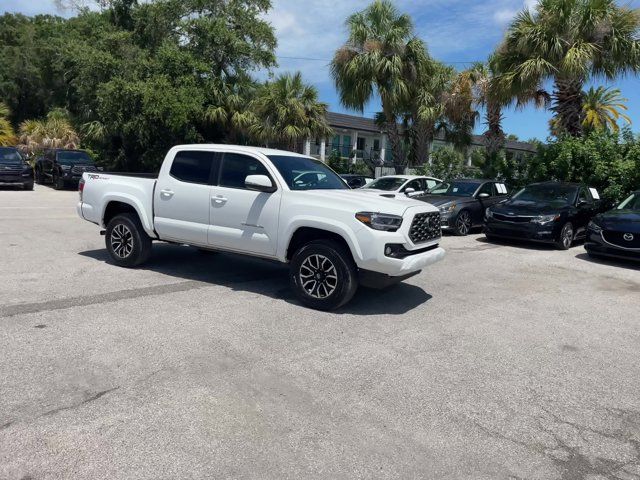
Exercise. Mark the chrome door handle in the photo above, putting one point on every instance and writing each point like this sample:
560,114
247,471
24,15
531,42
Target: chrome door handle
219,199
166,193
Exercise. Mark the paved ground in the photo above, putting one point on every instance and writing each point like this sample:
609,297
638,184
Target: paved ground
502,362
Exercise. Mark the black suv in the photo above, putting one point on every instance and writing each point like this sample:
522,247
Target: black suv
63,167
549,212
14,170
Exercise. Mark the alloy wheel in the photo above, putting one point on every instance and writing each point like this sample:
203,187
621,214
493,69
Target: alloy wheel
121,241
567,236
318,276
463,223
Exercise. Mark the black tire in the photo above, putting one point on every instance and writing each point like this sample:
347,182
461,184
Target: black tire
204,251
327,259
58,183
566,237
490,238
127,242
463,224
27,186
39,178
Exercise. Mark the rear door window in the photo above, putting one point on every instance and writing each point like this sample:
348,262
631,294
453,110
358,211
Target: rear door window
194,166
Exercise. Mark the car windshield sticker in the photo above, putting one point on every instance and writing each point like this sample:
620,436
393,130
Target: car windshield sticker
455,189
594,194
501,188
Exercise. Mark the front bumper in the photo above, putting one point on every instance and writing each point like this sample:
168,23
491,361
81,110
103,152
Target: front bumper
595,245
15,180
529,231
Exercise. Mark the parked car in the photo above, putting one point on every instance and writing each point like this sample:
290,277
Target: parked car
14,170
550,212
462,203
356,181
409,185
63,167
251,201
616,233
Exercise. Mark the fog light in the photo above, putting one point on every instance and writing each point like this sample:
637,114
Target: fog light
387,251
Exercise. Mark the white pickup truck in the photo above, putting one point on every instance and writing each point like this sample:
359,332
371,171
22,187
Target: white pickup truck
271,204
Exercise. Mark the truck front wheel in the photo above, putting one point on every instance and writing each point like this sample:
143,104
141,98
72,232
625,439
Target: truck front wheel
323,275
127,242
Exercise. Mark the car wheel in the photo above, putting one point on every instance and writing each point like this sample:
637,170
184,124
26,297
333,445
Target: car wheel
323,275
566,237
27,186
127,242
463,224
58,183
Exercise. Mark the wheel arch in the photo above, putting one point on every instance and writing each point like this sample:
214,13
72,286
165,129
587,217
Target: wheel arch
116,205
303,234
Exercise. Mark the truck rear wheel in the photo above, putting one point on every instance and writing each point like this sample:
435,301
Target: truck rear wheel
127,242
323,275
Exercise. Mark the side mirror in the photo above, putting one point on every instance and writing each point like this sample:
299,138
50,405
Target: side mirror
259,183
582,203
483,195
409,191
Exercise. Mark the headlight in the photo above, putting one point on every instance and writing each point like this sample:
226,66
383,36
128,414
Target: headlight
65,168
488,213
380,221
593,226
544,219
448,208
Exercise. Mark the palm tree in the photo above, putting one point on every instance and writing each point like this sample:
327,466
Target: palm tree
55,131
232,109
287,111
569,41
7,134
380,56
460,113
603,108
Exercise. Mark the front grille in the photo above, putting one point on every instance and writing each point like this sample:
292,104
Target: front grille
11,169
512,219
82,169
425,227
618,239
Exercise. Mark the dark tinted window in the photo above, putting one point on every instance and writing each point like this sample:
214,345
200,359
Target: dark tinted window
236,168
10,155
415,184
73,158
192,167
584,196
456,189
549,194
487,188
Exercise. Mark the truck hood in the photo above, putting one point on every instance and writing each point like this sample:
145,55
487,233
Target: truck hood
360,201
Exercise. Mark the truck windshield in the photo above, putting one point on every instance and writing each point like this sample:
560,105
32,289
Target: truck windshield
10,156
74,158
302,173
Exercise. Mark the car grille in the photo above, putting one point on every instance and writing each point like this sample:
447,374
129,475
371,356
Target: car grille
82,169
425,227
617,239
11,169
512,219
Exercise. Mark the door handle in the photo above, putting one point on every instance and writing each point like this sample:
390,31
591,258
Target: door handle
219,199
166,193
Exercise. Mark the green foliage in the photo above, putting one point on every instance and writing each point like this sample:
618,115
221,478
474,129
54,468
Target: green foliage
448,164
7,134
337,163
138,77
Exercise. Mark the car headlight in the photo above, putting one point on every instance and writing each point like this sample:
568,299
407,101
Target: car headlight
380,221
447,208
544,219
593,226
488,213
65,168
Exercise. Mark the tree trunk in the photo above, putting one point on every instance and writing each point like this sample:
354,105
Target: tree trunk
422,139
567,105
494,138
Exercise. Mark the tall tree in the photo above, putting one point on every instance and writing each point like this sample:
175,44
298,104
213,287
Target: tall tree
603,108
55,131
379,58
288,111
569,41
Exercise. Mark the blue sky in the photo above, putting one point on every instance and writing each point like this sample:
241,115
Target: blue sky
456,32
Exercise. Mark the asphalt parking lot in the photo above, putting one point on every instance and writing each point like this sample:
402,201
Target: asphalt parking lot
502,362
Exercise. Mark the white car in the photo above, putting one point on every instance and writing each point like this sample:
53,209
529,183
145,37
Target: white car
271,204
409,185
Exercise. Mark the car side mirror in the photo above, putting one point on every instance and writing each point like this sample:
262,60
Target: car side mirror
259,183
409,191
582,203
483,195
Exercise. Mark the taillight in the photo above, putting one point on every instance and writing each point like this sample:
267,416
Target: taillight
81,187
